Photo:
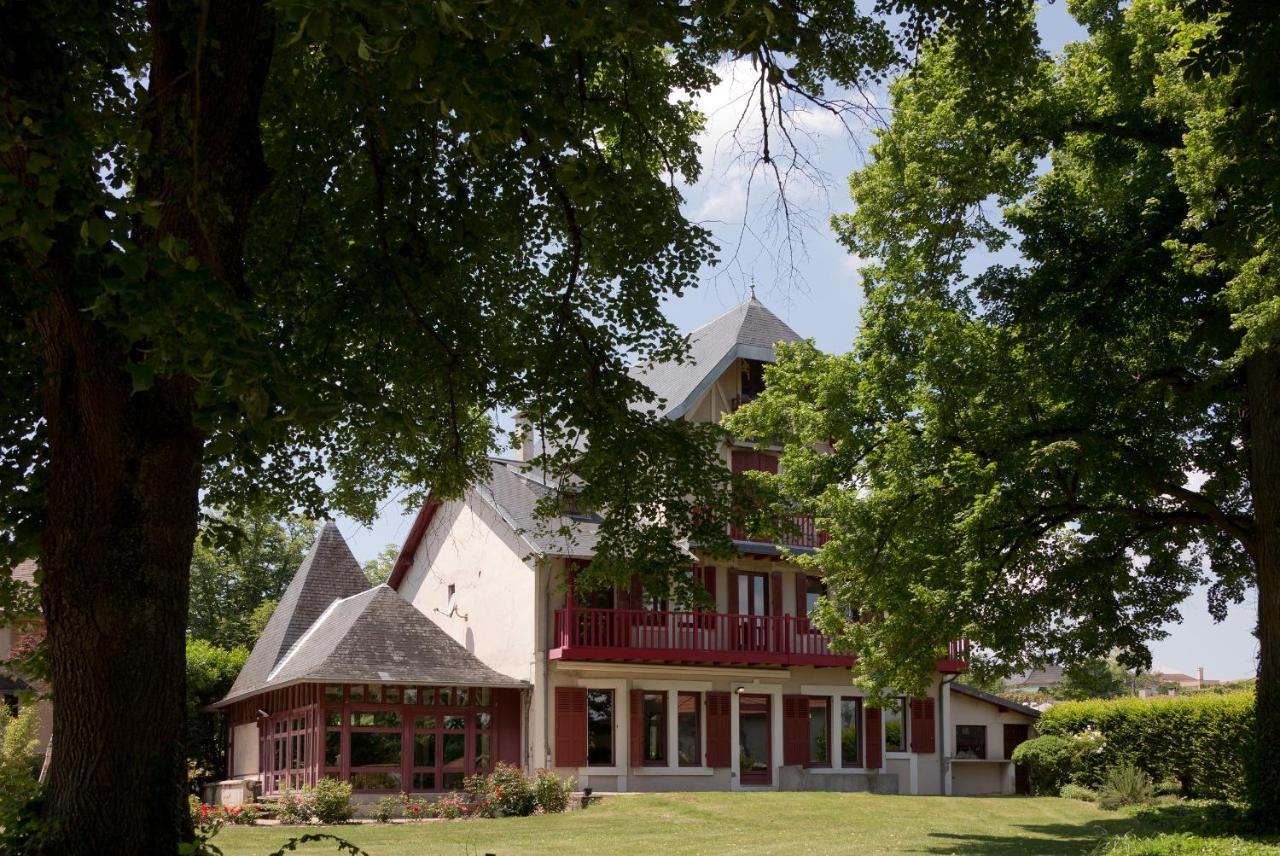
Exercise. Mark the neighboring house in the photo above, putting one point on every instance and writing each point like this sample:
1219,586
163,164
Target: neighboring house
1045,679
15,637
1181,680
625,689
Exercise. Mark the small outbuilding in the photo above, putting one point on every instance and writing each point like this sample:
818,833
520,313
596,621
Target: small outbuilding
351,681
984,731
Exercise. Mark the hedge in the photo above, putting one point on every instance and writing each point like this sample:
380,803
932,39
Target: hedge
1202,741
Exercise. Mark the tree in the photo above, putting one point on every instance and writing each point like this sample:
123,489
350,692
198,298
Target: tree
1045,456
293,255
239,566
379,568
1097,677
211,671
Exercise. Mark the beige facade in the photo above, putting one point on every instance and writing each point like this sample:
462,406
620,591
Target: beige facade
993,774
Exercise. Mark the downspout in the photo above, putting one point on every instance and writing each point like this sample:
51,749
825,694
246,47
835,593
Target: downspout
944,692
543,666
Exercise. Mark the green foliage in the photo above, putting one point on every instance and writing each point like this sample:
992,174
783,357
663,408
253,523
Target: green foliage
378,569
504,791
18,785
1094,678
1125,785
1202,741
551,793
329,801
1010,442
1185,844
1050,761
384,809
242,562
210,673
293,807
1071,791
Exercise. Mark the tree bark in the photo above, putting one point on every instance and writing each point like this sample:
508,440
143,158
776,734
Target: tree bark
1263,378
124,464
123,488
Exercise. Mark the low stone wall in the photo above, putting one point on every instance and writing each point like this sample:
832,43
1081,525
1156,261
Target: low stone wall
797,778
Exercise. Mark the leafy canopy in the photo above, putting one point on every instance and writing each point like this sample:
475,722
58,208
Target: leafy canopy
1042,456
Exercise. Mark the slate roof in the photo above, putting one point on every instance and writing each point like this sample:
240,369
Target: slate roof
514,493
1049,676
748,330
328,573
982,695
331,626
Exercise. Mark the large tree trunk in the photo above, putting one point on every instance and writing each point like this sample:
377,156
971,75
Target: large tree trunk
125,465
1263,373
123,504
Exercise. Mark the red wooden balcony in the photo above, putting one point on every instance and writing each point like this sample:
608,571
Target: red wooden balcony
800,532
638,635
957,657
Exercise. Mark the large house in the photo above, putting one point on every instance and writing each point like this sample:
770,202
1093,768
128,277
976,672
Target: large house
480,649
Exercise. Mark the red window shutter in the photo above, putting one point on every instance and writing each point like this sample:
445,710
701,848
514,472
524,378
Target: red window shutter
709,583
802,600
795,729
745,461
767,463
719,748
922,726
571,726
734,604
775,593
637,728
875,740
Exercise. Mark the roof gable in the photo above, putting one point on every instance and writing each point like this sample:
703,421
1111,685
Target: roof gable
747,331
329,573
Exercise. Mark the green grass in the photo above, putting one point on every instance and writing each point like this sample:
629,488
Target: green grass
780,823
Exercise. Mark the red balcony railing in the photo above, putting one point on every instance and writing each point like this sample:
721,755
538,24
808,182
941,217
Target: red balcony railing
800,531
690,637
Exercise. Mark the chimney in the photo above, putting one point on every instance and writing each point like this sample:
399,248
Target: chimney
1200,676
524,435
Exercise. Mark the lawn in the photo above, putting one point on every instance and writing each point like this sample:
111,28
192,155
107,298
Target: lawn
788,823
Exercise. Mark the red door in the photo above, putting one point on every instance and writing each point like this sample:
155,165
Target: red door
755,740
1014,735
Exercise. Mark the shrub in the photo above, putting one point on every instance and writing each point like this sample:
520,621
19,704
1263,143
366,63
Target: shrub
1050,760
413,809
293,807
451,807
551,793
510,792
1185,843
1168,787
1078,792
385,809
240,815
1202,741
1126,785
330,801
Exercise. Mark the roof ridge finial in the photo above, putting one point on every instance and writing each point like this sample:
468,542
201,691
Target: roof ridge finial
753,288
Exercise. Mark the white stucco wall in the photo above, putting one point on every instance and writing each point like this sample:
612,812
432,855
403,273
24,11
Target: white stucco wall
491,612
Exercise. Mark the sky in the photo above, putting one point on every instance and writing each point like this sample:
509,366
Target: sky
812,283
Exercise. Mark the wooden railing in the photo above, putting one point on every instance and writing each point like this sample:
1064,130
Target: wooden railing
799,531
713,637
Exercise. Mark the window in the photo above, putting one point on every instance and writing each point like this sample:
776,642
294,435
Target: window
814,588
895,725
654,717
654,601
752,379
850,732
971,741
600,728
689,730
819,732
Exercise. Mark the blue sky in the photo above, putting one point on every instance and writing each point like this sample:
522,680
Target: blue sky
812,283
